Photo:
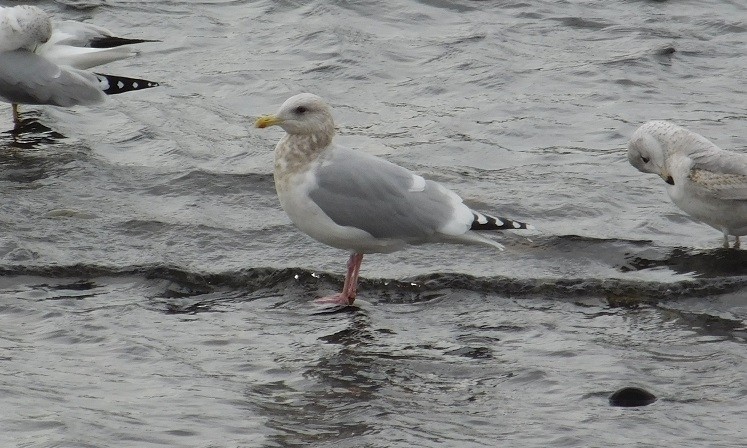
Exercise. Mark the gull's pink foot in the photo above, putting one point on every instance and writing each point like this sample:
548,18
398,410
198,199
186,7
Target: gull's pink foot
349,290
335,299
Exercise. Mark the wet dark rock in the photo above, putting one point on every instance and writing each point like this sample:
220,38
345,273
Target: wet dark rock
632,397
665,51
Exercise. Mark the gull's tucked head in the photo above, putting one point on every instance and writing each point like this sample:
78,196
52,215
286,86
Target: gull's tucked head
648,148
24,26
303,114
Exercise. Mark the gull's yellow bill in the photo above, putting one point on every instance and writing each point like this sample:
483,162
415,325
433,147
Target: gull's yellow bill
266,120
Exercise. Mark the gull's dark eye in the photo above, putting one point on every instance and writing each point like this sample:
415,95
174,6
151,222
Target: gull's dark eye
300,109
645,159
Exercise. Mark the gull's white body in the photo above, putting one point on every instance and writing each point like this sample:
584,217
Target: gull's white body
354,201
705,181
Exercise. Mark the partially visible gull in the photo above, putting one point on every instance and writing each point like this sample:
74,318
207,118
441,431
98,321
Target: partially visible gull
45,62
707,182
360,203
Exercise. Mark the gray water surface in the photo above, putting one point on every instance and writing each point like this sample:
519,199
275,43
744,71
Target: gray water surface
153,293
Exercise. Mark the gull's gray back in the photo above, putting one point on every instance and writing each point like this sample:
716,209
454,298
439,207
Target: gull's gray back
727,162
362,191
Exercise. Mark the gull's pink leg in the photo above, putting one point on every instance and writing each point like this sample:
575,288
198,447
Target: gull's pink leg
16,116
351,279
350,289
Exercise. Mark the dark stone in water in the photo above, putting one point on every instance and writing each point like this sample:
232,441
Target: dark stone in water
631,397
665,51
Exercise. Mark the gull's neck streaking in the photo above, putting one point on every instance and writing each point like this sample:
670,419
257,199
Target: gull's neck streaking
295,152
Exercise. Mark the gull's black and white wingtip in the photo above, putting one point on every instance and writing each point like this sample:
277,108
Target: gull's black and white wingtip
113,85
487,222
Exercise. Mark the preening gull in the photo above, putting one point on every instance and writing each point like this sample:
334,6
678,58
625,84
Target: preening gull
45,62
354,201
707,182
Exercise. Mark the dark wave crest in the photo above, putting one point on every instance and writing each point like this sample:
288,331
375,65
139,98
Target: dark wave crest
616,290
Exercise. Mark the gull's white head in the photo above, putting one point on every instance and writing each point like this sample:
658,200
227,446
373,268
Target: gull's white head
302,114
24,27
648,148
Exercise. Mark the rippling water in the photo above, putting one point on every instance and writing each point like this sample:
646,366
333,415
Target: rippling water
153,293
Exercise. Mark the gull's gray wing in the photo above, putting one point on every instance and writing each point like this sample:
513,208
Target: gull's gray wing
28,78
722,173
713,172
362,191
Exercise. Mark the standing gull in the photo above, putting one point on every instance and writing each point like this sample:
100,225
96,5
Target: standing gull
42,62
707,182
355,201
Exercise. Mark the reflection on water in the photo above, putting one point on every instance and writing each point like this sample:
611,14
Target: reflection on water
714,326
29,133
29,154
719,262
344,380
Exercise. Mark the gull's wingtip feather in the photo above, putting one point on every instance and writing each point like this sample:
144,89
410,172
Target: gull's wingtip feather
482,221
114,41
